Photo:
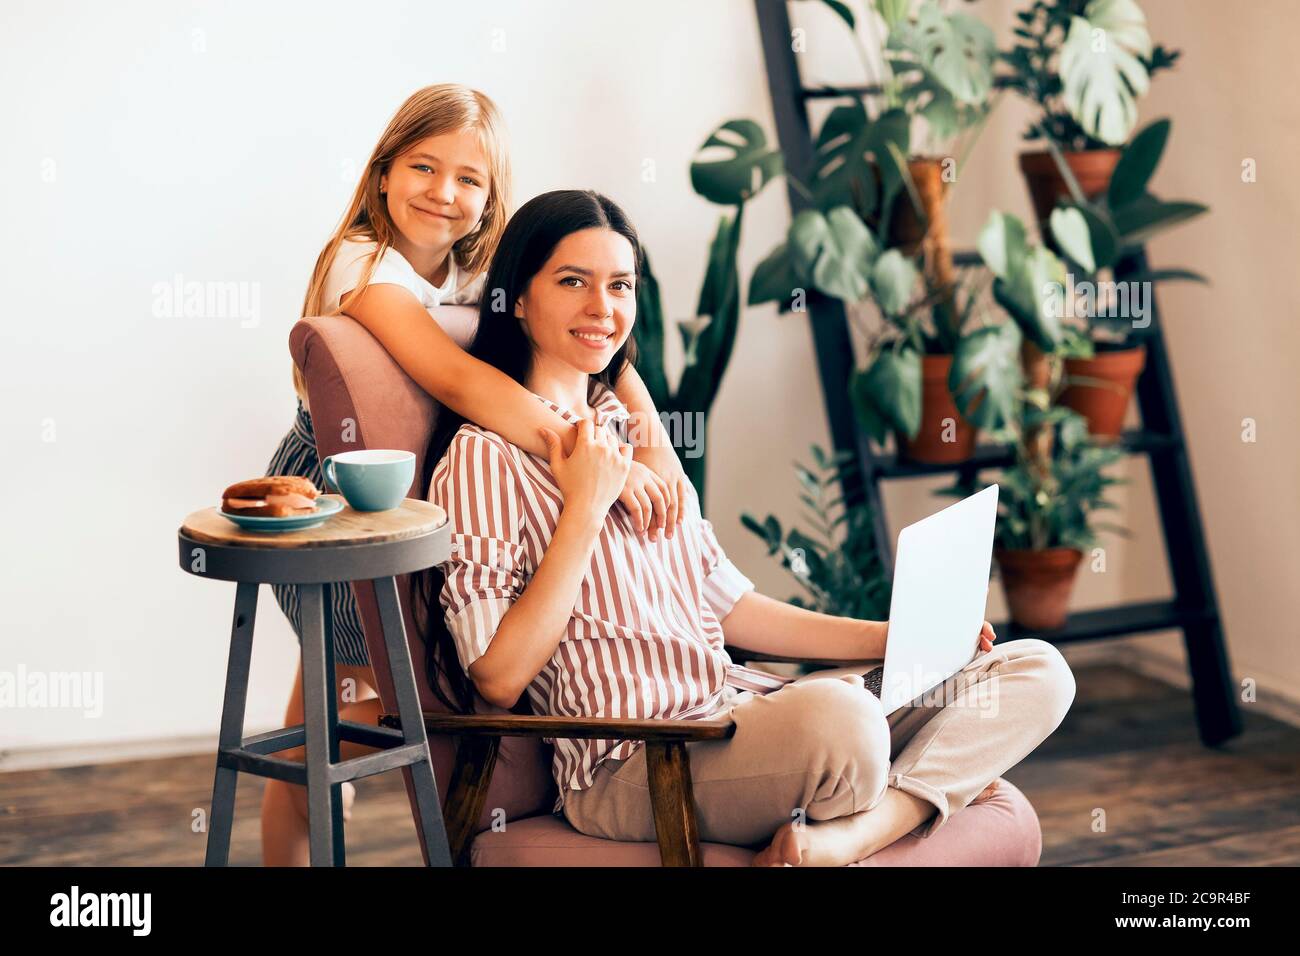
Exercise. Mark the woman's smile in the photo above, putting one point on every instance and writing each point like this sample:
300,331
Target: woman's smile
593,337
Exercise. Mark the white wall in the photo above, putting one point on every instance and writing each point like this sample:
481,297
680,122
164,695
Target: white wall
219,143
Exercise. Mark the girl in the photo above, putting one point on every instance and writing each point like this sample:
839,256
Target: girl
422,225
550,593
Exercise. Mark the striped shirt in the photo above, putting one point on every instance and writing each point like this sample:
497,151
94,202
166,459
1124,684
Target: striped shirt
645,638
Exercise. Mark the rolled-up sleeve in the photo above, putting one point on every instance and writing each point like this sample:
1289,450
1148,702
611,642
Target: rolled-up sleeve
487,570
724,583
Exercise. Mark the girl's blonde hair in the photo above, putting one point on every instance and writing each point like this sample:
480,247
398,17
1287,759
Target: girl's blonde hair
431,111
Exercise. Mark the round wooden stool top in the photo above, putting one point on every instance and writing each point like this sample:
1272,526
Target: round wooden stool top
347,546
408,520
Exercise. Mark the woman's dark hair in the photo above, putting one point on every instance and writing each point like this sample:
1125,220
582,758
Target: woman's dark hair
502,341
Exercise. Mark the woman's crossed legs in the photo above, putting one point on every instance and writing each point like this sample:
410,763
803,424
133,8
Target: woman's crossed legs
817,775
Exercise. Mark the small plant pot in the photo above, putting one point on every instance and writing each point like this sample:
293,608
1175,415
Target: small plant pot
1104,398
1092,168
1037,585
937,405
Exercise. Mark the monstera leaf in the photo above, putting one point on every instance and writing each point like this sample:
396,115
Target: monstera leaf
834,251
733,180
887,394
1102,68
893,277
847,145
956,50
1030,281
986,376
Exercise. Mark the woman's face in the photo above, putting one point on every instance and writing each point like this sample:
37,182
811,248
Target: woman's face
437,189
580,306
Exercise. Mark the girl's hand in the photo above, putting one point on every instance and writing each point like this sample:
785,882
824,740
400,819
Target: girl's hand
645,495
987,637
591,477
667,467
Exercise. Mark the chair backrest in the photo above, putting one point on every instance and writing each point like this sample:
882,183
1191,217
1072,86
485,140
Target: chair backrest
361,398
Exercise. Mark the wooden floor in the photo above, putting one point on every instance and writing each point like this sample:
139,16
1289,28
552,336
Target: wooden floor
1128,748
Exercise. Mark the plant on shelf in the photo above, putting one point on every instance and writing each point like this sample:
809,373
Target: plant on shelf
1083,64
732,166
837,564
1056,480
1096,236
1046,509
835,254
888,156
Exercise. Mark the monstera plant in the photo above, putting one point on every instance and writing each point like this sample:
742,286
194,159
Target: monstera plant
731,167
1083,64
836,255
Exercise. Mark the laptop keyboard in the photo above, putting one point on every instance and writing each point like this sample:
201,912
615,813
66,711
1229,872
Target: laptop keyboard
872,679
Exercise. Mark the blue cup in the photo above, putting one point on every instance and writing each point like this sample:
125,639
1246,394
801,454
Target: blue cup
373,480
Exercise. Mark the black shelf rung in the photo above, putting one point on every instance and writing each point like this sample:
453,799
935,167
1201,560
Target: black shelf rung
1137,618
887,465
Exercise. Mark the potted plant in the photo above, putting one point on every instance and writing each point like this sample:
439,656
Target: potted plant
732,166
1095,236
1056,480
837,565
837,255
1083,63
1044,522
894,169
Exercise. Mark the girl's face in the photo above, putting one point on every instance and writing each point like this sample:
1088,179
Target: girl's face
579,308
437,189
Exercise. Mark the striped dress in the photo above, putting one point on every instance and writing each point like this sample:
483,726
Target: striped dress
645,638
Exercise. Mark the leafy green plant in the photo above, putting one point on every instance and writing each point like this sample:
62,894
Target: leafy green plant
837,564
731,179
1054,506
1095,235
1084,63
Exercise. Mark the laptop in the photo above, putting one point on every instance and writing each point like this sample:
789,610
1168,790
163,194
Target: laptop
941,584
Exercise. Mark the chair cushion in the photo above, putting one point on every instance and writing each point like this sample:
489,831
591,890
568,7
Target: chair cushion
1000,831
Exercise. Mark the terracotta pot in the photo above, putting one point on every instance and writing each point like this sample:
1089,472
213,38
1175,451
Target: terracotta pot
936,405
1104,405
1037,584
1092,168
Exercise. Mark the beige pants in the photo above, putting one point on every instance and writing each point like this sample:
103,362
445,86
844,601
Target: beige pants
823,746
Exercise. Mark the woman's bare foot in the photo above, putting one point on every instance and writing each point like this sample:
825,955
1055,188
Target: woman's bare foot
846,840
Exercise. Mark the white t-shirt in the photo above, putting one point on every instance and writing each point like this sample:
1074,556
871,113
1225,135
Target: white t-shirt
350,266
393,269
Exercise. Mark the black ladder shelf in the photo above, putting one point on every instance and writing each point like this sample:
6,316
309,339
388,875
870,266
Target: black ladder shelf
1194,608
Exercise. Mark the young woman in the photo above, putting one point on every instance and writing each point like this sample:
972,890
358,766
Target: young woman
422,224
551,594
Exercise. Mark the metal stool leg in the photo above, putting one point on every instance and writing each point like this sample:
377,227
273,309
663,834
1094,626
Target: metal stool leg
433,831
232,724
320,720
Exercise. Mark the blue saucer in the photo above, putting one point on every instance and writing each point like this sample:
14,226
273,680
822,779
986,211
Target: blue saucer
325,506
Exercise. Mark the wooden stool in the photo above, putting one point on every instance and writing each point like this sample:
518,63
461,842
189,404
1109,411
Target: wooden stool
350,546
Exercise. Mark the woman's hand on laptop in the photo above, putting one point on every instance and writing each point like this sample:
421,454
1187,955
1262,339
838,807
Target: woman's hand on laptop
987,637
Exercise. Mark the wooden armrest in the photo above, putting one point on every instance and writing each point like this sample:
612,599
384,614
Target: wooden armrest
667,768
572,728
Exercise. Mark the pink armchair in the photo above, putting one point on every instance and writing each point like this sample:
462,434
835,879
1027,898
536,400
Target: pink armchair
352,381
